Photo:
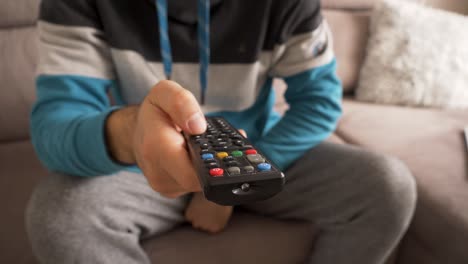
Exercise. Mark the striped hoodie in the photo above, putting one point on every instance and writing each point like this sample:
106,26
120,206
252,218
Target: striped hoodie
92,48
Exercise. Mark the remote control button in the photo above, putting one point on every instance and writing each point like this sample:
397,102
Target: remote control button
246,147
250,151
234,170
203,151
207,156
223,135
221,148
209,137
236,136
264,167
212,165
204,146
216,172
220,144
228,158
222,155
196,136
236,153
238,142
255,158
209,160
232,163
249,169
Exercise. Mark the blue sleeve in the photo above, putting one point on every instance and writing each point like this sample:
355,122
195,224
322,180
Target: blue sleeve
68,125
314,97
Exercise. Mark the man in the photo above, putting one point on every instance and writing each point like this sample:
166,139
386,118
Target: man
122,171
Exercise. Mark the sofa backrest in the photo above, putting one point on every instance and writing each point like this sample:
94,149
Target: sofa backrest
18,55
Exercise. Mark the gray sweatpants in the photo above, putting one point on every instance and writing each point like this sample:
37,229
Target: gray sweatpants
362,203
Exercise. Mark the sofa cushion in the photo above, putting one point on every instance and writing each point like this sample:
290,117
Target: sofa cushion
349,22
415,56
20,171
431,142
460,6
413,251
18,13
350,33
348,4
249,239
18,57
254,239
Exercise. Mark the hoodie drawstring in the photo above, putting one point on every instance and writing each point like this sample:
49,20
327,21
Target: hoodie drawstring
203,31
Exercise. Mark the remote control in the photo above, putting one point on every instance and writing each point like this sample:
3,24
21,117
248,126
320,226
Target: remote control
230,169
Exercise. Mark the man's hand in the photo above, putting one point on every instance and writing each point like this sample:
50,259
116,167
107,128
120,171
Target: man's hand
149,135
206,215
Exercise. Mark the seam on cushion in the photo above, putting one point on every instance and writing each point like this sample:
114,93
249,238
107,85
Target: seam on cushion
345,138
4,143
20,25
14,140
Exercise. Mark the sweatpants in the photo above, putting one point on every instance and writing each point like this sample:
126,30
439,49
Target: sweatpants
361,203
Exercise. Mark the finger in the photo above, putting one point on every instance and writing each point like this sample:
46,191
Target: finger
160,157
161,181
242,131
165,185
177,161
180,105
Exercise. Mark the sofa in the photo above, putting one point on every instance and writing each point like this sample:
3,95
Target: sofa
429,141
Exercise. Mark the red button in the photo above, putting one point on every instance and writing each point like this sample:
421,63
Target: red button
250,151
216,172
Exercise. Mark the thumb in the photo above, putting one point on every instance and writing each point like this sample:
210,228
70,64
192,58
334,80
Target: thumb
242,132
181,106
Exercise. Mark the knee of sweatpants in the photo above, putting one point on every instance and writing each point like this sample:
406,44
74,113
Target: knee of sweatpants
59,216
393,193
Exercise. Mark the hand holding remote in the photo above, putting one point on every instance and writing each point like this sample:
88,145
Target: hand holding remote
149,135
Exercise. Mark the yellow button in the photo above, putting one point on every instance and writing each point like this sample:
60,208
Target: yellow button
222,155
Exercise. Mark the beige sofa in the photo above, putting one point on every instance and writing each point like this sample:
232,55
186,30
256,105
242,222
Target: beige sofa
429,141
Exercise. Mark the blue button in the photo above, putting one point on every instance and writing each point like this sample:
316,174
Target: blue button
264,167
207,156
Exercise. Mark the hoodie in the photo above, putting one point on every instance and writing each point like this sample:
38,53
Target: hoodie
92,48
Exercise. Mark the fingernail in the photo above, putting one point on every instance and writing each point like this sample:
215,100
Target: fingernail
197,123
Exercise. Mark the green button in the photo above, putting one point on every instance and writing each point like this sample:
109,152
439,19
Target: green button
236,153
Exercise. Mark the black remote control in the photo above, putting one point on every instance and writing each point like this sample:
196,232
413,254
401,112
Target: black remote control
231,171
